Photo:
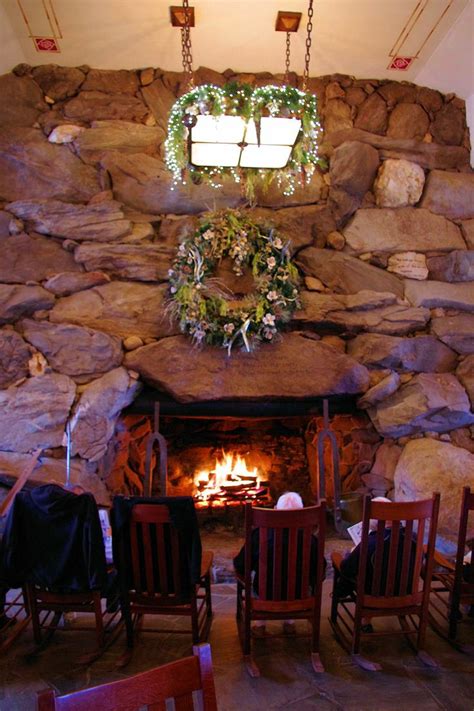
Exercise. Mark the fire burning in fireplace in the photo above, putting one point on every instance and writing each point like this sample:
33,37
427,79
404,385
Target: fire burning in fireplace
231,480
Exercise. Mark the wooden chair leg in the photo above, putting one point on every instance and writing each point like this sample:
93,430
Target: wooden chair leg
35,621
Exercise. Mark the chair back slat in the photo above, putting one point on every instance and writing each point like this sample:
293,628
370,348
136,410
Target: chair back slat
285,566
292,554
406,558
148,557
378,558
263,559
277,563
393,571
160,540
184,703
393,558
135,552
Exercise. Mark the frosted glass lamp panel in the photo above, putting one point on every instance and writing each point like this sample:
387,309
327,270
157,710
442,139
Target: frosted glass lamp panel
265,156
225,155
275,131
218,129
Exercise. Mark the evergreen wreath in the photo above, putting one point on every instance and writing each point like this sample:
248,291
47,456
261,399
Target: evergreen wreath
200,302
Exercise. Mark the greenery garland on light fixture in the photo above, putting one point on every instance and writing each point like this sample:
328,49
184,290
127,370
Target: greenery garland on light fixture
200,303
243,100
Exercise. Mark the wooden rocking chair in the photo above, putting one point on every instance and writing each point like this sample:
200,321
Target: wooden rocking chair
289,577
177,680
159,582
454,584
389,582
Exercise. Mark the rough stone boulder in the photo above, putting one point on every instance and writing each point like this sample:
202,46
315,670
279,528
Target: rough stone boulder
430,402
353,167
159,99
49,470
22,101
101,221
113,81
34,413
295,223
119,308
448,125
31,167
456,331
449,194
465,373
303,194
98,105
399,183
431,156
17,301
345,274
95,415
372,115
306,368
434,294
456,266
404,229
144,183
58,82
66,283
379,392
14,357
422,354
29,259
427,465
408,121
140,262
337,115
386,459
352,313
467,229
123,136
74,350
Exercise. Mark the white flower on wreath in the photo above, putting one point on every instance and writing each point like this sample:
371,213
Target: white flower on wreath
229,328
193,109
170,272
208,234
272,295
268,319
182,249
273,107
173,290
271,262
277,243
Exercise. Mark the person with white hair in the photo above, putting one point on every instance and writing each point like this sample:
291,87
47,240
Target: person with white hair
289,501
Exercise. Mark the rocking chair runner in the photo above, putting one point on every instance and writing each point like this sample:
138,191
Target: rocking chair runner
288,586
389,582
177,680
454,584
160,580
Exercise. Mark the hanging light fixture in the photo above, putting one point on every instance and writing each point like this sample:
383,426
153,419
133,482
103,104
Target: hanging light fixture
265,133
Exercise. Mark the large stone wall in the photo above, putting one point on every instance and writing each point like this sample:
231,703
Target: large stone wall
89,226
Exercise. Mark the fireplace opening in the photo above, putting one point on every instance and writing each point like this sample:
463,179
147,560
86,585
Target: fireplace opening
224,460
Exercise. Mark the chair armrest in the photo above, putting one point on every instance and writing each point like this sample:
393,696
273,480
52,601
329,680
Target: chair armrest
337,559
439,559
206,562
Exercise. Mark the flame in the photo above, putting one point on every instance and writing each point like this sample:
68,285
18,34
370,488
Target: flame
229,472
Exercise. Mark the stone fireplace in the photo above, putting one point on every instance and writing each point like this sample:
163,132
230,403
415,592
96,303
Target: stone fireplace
383,240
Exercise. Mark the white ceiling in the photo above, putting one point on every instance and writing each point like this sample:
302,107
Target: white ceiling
350,36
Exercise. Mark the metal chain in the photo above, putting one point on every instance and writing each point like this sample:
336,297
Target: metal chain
287,61
307,56
186,47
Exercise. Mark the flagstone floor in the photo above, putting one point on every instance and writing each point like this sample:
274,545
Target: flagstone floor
287,680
